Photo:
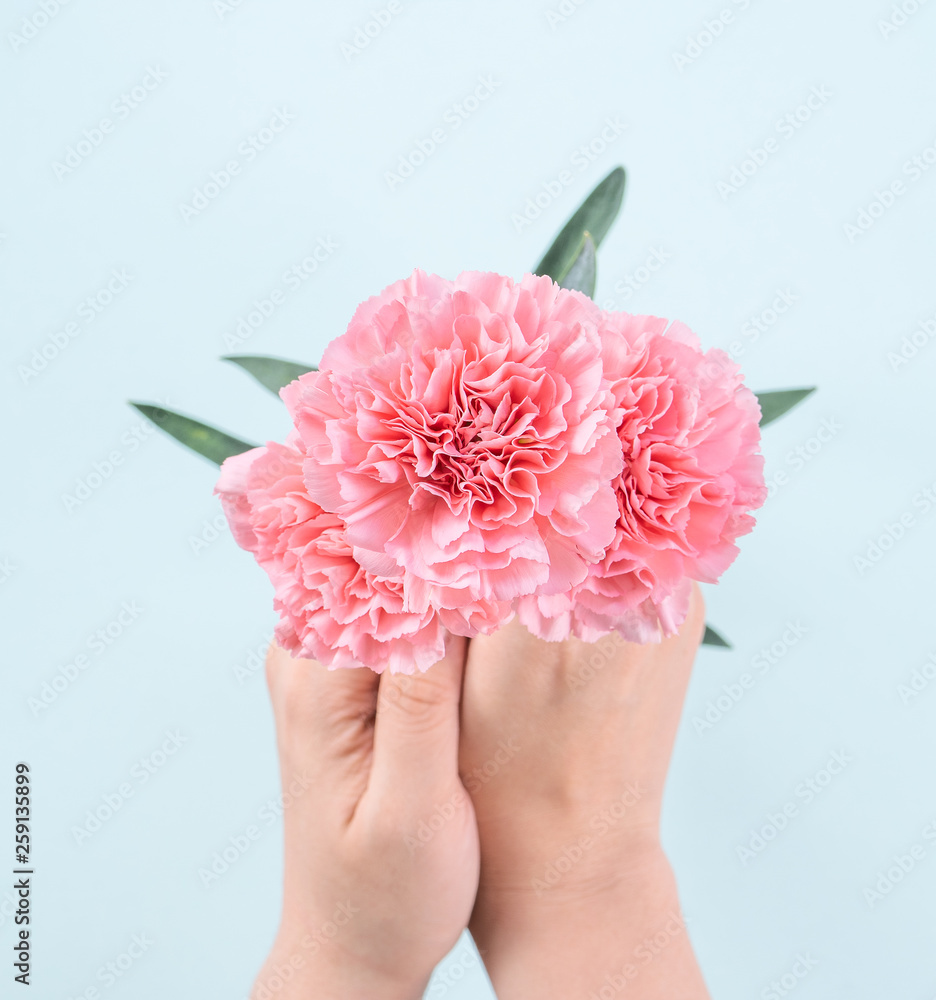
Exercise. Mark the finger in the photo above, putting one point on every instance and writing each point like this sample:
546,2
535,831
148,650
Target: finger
320,712
665,681
694,625
416,730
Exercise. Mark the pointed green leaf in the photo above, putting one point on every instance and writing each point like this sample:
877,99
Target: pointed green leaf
207,441
775,404
583,271
712,638
594,216
272,373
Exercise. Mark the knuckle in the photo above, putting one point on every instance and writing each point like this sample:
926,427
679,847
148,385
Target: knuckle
415,701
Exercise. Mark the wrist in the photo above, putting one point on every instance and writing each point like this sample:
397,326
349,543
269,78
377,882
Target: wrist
624,930
597,886
298,968
547,863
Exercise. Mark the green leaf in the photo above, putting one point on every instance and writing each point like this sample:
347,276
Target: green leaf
272,373
207,441
775,404
594,216
582,273
712,638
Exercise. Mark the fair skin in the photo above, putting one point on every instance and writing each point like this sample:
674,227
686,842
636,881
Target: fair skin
574,884
379,756
553,860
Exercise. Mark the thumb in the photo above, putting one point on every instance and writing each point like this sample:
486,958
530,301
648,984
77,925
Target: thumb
416,728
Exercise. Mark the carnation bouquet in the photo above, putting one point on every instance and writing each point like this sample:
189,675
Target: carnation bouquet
479,448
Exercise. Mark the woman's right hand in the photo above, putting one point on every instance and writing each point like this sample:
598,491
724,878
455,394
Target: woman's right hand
564,749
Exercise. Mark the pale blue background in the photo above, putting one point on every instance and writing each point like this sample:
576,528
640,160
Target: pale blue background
836,689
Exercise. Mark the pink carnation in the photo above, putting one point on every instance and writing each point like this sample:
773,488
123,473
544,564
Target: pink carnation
330,608
464,433
692,471
479,447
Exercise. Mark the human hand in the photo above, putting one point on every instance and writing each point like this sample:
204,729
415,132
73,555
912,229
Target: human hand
565,749
381,845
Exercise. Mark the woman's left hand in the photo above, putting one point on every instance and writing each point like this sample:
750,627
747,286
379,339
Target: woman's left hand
381,844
